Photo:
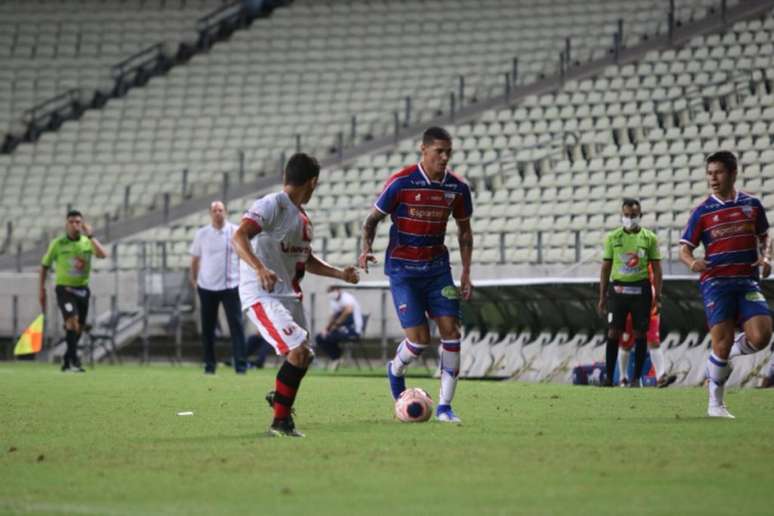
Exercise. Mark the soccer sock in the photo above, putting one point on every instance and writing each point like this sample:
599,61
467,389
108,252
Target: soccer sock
657,357
771,366
741,346
640,352
407,353
287,382
611,354
71,355
718,372
450,370
623,363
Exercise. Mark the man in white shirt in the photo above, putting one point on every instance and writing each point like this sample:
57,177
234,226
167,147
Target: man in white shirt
346,322
274,242
215,276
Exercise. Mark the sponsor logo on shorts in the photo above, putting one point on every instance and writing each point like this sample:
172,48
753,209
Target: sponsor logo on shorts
403,308
288,331
755,297
68,307
450,292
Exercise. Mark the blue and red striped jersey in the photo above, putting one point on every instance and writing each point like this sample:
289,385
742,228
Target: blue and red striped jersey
729,231
419,209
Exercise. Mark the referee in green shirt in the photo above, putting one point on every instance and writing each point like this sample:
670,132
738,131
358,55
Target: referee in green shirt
628,251
71,256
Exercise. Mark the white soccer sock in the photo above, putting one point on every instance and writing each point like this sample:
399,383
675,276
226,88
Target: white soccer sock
741,346
407,353
450,370
771,365
657,358
623,363
718,371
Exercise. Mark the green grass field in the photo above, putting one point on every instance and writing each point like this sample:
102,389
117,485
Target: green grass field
110,442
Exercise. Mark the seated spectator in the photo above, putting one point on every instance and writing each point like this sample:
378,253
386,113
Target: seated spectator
346,322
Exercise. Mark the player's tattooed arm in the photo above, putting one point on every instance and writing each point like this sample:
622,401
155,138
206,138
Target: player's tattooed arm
368,235
465,239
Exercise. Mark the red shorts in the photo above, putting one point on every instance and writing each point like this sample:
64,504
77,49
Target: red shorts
653,336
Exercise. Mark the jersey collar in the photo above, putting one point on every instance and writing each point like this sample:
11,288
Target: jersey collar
736,198
427,178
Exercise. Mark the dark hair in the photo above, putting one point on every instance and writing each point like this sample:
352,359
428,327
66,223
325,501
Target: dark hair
74,213
301,168
631,202
434,133
726,158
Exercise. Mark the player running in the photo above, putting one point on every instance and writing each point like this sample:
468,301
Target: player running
629,251
733,228
274,243
653,338
419,200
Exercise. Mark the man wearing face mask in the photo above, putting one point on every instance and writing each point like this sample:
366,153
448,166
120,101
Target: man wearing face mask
346,322
629,250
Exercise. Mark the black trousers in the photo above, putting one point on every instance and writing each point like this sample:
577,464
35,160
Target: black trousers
209,302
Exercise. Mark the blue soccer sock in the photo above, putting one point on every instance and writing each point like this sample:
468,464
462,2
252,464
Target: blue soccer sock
450,370
718,371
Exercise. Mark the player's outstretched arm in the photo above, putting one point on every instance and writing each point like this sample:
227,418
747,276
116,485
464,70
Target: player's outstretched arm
321,268
465,239
686,256
246,231
369,233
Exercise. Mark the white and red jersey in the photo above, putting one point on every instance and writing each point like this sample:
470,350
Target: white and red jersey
283,244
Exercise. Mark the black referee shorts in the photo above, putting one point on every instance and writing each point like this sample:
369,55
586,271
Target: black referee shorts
73,301
629,298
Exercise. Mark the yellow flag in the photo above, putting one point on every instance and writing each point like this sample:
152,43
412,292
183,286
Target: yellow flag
31,340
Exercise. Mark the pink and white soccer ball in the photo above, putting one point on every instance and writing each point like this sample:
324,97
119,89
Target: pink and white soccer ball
414,406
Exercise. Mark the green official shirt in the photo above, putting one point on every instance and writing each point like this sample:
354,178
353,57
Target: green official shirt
631,253
71,260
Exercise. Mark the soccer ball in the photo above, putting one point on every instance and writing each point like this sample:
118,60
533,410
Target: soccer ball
414,406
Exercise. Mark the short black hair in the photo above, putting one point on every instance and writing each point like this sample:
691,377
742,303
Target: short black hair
434,133
74,213
301,167
631,202
726,158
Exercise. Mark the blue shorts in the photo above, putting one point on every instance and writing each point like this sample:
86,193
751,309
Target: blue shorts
732,299
414,297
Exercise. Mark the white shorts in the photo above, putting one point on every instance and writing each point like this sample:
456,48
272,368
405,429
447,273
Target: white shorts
281,325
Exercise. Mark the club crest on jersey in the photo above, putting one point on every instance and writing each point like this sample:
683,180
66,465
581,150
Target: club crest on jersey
747,210
418,197
449,197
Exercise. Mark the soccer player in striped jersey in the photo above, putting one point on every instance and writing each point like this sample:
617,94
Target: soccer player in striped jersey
733,228
419,199
274,244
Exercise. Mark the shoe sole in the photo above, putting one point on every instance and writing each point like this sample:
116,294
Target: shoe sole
276,433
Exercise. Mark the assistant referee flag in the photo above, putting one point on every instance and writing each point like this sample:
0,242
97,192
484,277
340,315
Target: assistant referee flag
31,340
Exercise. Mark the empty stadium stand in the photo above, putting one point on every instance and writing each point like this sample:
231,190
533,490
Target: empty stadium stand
307,71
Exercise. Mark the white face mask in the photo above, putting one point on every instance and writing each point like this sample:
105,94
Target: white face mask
630,222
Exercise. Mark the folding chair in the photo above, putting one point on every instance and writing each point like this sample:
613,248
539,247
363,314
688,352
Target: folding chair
350,344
